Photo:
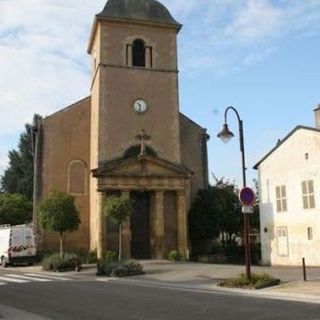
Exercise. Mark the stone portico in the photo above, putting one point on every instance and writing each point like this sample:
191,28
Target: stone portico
155,176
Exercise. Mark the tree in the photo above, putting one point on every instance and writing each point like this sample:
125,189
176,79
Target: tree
230,215
58,213
216,212
204,215
18,177
15,209
118,209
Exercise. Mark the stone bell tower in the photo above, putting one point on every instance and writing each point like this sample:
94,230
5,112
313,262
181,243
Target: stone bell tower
134,89
134,79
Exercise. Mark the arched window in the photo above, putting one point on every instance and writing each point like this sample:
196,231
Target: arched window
77,177
138,53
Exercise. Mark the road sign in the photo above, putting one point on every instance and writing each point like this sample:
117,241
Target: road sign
246,197
246,209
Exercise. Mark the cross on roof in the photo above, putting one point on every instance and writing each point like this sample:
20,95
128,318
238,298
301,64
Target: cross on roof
143,137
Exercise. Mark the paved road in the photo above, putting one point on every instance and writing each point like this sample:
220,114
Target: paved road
82,299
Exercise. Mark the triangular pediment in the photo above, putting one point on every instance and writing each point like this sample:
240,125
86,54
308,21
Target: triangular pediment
141,166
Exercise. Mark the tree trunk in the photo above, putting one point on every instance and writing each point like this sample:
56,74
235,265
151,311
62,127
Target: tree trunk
120,242
61,245
223,240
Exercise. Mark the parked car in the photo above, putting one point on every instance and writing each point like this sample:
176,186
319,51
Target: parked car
17,245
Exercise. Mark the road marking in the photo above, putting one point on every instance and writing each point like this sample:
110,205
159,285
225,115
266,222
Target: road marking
14,280
62,278
2,283
27,278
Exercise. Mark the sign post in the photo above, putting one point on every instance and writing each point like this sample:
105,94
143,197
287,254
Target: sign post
247,198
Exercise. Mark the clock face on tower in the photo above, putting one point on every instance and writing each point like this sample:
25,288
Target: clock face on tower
140,106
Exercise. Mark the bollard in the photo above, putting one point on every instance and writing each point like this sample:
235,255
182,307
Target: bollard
304,269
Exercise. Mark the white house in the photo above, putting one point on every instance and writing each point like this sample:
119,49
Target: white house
289,184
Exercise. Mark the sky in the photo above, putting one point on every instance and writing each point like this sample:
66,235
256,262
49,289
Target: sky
259,56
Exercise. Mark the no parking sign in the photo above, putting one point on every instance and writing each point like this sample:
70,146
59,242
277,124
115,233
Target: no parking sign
247,197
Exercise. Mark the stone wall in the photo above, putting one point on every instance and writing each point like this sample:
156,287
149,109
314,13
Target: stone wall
66,146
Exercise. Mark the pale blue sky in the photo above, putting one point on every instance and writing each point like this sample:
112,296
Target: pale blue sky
261,56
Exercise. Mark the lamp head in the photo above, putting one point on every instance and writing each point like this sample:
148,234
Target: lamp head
225,135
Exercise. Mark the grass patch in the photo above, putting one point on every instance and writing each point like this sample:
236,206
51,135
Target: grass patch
258,281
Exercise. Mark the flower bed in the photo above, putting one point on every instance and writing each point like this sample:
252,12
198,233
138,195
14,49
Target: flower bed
119,269
258,281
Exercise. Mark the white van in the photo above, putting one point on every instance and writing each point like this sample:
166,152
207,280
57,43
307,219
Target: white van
17,244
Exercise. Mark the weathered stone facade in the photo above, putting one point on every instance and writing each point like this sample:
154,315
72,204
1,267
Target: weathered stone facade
91,149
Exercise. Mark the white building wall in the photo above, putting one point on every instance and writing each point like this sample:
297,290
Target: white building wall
288,166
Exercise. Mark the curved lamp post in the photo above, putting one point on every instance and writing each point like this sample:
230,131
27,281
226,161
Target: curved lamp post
226,135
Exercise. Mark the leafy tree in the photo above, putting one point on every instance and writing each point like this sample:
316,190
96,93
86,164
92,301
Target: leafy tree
230,215
18,177
216,212
15,209
118,209
204,215
58,213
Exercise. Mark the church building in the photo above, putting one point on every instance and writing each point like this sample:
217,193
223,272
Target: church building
127,138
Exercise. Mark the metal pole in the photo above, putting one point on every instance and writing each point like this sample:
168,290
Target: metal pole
246,226
304,269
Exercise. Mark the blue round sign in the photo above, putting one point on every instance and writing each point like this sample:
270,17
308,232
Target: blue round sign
247,196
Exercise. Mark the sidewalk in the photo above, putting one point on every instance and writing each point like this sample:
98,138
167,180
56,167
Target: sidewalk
200,276
207,277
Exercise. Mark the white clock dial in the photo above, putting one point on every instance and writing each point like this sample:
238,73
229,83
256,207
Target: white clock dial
140,106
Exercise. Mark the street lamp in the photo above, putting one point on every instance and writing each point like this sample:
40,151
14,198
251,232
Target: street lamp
226,135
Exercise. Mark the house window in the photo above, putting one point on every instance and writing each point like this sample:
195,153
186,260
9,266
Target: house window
282,241
310,234
138,53
281,196
308,194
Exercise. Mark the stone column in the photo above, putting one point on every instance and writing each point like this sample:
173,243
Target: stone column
126,233
182,223
101,226
158,226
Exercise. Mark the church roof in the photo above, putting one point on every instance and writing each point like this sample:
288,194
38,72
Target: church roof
144,10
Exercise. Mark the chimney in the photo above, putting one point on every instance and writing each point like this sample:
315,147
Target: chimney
317,116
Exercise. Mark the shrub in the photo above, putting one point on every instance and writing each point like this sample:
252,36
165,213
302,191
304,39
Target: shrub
216,247
173,255
111,256
87,256
258,281
119,269
56,263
